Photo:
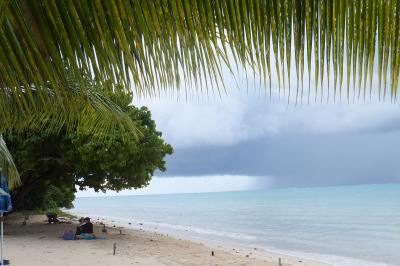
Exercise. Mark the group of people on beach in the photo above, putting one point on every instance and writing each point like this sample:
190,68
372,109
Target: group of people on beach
83,231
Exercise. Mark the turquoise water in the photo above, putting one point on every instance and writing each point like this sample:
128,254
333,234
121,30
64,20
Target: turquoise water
352,225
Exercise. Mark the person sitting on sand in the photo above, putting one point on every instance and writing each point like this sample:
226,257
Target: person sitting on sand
84,228
83,231
78,228
87,227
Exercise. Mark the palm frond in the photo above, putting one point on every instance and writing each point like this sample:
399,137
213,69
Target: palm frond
83,107
7,165
151,45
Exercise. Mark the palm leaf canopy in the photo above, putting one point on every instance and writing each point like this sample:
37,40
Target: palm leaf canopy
7,166
155,44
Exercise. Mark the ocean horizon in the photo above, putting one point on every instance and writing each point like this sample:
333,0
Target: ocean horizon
342,225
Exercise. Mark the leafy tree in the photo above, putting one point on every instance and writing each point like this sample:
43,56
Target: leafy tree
91,112
53,165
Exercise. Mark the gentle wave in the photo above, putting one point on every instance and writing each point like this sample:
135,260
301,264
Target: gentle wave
187,230
168,228
333,260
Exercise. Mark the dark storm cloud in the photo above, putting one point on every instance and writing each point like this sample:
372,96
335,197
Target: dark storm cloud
298,159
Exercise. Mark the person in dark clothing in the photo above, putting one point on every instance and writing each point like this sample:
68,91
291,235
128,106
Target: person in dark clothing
78,231
85,227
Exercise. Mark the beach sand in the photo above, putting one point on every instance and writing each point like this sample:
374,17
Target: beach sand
37,243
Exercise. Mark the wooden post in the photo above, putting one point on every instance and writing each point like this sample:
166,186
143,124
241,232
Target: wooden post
115,247
280,262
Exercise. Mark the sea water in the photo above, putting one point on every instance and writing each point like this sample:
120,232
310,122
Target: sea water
349,225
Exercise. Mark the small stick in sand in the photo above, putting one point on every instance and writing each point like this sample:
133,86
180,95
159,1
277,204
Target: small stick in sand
212,253
115,247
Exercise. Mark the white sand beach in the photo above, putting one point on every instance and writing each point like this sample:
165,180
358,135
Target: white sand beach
37,243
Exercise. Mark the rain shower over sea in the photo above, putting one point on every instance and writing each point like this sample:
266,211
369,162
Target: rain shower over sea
348,225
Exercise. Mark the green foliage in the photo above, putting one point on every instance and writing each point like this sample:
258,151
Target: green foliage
155,44
85,107
57,197
7,165
52,165
126,163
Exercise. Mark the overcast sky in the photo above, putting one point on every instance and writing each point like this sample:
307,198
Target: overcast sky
246,139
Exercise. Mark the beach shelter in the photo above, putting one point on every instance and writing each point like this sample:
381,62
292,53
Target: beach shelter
5,206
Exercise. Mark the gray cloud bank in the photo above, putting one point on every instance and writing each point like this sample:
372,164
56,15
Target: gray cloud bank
298,145
298,160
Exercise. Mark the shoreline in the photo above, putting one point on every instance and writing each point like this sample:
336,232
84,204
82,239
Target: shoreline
263,253
260,253
38,243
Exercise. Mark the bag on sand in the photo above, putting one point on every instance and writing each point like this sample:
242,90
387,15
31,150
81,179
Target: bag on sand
68,235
